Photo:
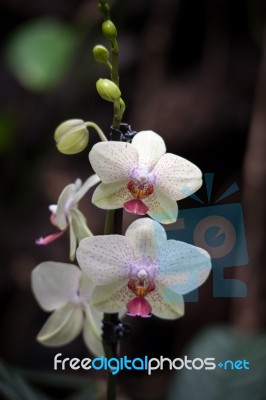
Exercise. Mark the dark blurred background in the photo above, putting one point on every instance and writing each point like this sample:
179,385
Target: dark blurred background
194,71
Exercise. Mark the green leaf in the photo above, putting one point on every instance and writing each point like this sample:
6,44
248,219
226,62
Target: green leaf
224,344
40,52
14,387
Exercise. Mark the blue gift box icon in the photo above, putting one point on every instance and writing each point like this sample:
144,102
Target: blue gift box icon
219,229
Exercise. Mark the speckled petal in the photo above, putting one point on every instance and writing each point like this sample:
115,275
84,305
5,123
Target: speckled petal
166,303
110,196
182,267
161,207
177,176
55,283
150,148
113,161
112,298
145,237
105,258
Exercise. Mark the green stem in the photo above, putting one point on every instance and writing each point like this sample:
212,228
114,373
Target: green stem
113,225
101,135
114,52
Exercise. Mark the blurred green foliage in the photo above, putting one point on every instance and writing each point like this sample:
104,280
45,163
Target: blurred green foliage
224,343
14,385
40,52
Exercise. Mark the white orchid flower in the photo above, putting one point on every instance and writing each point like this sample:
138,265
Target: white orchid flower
65,214
66,290
140,177
142,271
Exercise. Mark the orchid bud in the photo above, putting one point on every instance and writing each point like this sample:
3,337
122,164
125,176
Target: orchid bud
101,54
109,30
108,90
71,136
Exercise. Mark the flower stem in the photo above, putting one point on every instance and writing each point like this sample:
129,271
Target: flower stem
119,105
101,135
113,224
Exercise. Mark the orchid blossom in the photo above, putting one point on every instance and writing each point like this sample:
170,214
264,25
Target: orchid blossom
66,290
142,271
143,178
66,214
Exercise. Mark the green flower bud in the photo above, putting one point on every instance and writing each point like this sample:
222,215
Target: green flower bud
71,136
108,90
101,54
109,29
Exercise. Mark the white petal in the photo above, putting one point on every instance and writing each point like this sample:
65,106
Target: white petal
182,267
64,202
79,224
86,287
113,161
145,236
112,298
53,208
166,303
92,330
87,185
55,283
150,147
161,207
105,258
177,176
72,242
62,326
110,196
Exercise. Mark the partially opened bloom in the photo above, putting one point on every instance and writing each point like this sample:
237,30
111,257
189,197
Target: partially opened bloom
142,271
66,290
65,214
140,177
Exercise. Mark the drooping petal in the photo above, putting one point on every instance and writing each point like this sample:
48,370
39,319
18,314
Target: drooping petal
136,206
49,238
79,224
113,161
65,200
150,148
92,330
139,307
112,298
55,283
165,303
178,177
62,326
161,207
87,185
105,258
145,237
72,242
182,267
110,196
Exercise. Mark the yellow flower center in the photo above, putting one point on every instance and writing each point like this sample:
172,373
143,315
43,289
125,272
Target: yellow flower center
140,190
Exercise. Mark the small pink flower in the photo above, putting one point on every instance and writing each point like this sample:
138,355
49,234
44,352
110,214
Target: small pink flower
65,214
140,177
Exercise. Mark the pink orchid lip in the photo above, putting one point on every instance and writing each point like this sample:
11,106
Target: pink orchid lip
49,239
136,206
140,307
